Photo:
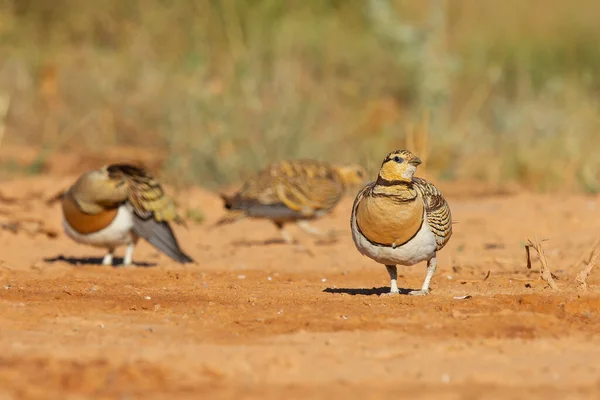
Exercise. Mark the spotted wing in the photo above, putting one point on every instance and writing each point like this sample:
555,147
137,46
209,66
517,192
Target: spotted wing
308,187
437,209
153,210
289,190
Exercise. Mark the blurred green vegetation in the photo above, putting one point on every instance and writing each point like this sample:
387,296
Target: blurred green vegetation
503,91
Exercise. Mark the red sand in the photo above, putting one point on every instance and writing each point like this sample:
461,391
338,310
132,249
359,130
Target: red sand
270,321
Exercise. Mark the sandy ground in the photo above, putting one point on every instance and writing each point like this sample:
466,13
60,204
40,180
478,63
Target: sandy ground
258,319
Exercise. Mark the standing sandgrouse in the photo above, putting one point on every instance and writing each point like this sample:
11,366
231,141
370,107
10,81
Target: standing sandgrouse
117,204
401,219
292,191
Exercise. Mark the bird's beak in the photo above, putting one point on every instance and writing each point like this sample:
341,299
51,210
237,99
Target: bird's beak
415,161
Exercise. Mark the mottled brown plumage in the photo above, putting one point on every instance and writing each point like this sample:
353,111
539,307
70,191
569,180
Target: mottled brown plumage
437,211
144,193
117,204
291,191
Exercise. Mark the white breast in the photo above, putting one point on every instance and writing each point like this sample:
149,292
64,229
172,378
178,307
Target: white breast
419,248
118,233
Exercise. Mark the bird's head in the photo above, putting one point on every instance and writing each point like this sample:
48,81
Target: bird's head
399,166
351,175
100,188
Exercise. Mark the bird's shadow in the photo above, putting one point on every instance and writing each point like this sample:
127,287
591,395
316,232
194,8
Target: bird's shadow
75,261
365,292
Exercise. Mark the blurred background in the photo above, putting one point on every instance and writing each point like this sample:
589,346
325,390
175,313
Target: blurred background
490,91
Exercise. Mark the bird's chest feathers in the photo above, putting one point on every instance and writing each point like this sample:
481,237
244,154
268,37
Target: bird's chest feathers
86,223
385,221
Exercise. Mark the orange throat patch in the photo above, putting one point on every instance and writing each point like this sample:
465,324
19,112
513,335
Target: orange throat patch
82,222
384,221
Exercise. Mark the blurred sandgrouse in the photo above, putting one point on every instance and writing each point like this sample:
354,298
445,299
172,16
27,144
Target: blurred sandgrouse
117,204
292,191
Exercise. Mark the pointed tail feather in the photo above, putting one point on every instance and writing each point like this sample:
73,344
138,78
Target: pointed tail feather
230,217
161,236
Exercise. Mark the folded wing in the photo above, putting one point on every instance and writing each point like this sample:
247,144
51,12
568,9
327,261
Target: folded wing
153,210
437,209
286,191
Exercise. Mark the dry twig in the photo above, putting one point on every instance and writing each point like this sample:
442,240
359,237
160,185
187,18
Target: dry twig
545,273
587,270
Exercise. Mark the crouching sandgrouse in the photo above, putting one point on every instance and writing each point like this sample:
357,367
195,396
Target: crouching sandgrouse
116,205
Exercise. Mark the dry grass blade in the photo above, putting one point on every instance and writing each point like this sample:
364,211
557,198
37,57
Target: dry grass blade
587,270
545,272
4,106
487,276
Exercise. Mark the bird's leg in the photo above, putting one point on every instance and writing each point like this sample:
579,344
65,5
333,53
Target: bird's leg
431,266
287,238
108,258
285,235
308,228
393,271
128,255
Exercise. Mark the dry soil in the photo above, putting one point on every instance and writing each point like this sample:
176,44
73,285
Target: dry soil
259,319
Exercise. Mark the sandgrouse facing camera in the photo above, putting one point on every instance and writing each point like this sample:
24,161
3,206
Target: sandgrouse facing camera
401,219
292,191
115,206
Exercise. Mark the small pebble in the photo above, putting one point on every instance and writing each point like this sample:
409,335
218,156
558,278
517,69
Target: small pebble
269,278
324,280
445,378
241,276
147,297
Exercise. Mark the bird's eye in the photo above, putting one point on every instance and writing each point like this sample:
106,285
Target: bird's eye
359,173
398,159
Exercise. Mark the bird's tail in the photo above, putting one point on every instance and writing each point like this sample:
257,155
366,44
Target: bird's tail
161,236
232,215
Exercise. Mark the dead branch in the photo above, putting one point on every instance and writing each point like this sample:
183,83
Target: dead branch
545,272
587,270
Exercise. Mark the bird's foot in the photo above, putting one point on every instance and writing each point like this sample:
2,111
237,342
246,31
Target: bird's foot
419,292
304,249
107,260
